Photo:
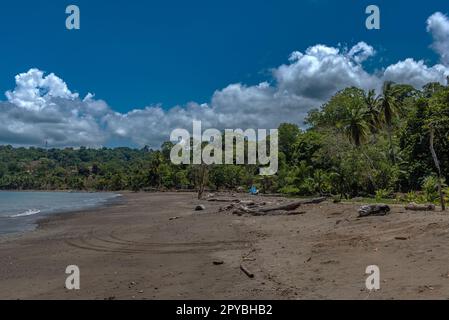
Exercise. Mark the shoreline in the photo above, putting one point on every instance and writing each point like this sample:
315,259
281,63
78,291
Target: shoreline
63,191
31,222
156,246
111,202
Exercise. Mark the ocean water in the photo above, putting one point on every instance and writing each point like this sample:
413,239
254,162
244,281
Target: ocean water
20,211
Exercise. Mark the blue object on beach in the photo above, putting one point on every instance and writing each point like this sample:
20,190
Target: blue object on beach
253,191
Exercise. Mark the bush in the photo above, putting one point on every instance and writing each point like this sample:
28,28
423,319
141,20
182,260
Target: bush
290,190
382,194
430,188
446,194
411,197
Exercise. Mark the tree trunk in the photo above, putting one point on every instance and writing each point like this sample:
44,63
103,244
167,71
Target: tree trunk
437,165
202,182
372,167
390,140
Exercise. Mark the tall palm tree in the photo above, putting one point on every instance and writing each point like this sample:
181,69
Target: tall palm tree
356,125
389,108
372,112
154,174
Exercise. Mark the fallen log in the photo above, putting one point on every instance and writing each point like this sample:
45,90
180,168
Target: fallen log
374,210
292,206
223,200
314,201
417,207
275,213
246,271
283,209
296,213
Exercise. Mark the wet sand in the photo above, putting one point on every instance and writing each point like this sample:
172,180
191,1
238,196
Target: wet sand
135,250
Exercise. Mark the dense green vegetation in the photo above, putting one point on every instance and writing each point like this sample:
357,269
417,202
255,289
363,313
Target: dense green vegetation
358,144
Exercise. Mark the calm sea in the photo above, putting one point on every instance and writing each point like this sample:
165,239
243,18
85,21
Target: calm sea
19,211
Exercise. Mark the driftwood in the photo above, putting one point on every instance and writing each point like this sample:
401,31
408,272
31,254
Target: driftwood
246,271
276,213
281,209
249,203
273,195
314,201
292,206
417,207
374,210
223,200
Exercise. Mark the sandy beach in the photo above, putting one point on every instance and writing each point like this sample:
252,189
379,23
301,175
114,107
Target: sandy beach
156,246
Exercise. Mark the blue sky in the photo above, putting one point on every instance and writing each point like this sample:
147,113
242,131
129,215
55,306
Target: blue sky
154,66
135,53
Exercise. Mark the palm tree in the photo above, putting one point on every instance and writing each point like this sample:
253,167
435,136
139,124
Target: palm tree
154,174
356,125
389,108
372,112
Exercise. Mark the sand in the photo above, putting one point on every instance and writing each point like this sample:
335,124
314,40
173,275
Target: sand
134,249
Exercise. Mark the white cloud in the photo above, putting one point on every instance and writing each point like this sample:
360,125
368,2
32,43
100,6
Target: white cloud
42,108
33,91
438,26
361,52
63,123
321,71
416,73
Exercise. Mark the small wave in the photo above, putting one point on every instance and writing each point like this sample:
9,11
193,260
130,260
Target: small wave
26,213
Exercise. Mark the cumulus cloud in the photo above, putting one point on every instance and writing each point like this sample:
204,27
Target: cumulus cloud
42,108
321,71
361,52
415,73
34,90
438,26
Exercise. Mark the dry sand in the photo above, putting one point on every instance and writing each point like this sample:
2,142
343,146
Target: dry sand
132,250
